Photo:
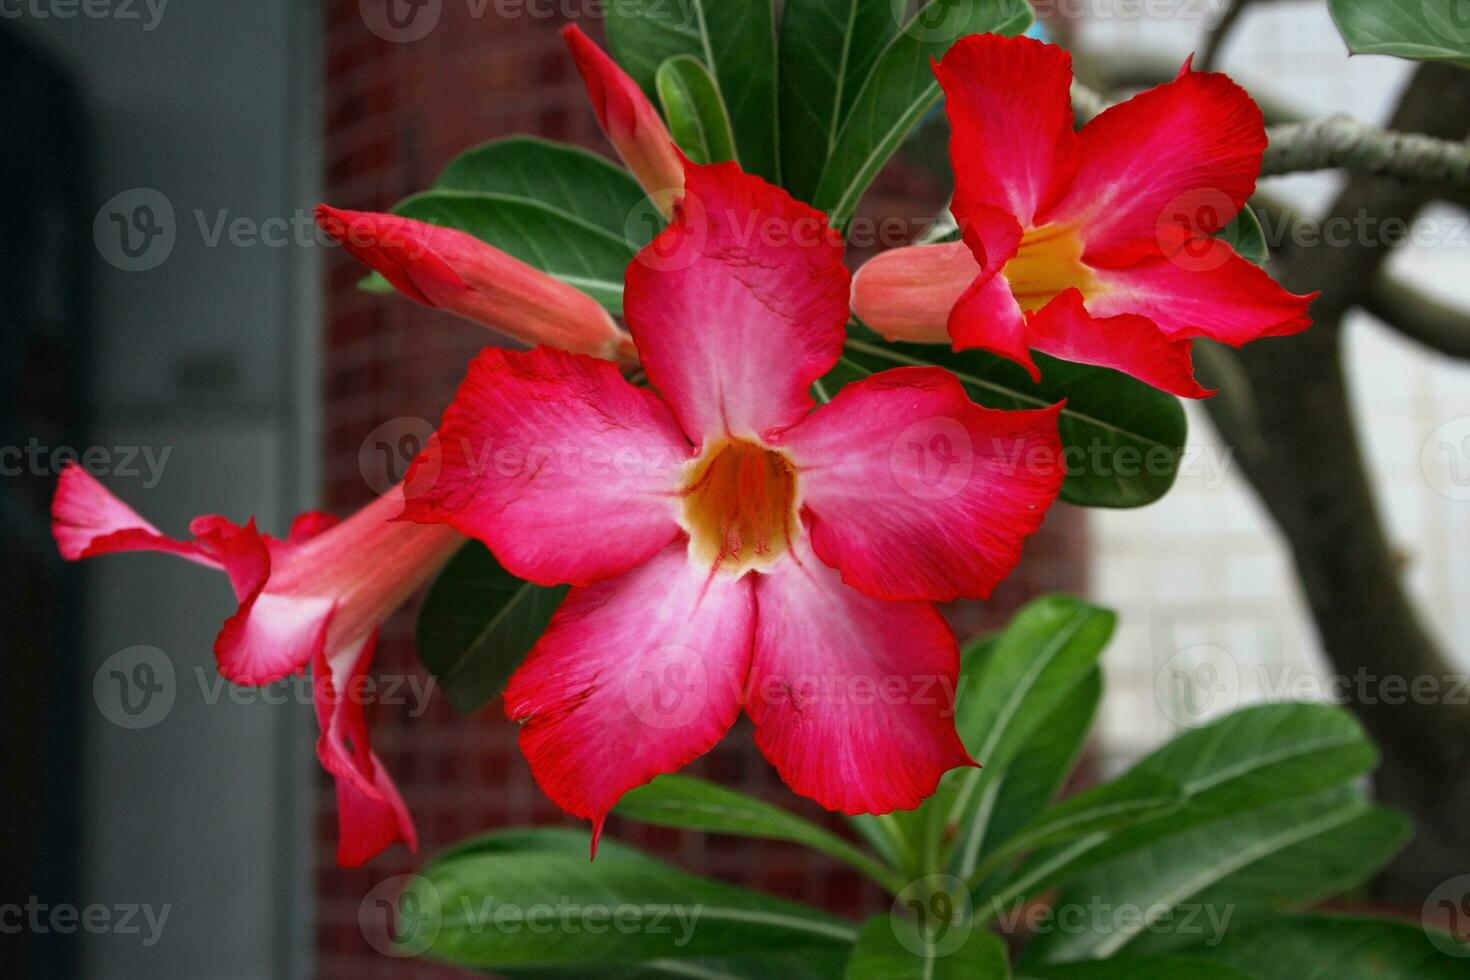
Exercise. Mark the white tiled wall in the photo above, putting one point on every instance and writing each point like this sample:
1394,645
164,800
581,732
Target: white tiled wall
1210,615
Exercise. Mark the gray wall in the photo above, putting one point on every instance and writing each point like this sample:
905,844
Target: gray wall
206,350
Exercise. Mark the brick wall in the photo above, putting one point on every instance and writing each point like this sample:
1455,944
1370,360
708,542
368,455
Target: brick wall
396,112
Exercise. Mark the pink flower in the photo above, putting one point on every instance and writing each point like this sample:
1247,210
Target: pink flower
317,597
459,273
729,545
631,123
1090,246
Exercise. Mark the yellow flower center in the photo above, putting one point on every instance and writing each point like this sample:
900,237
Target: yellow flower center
739,505
1048,261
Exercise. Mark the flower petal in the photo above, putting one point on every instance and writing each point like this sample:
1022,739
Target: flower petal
852,697
1010,114
87,520
1179,158
1205,291
371,815
454,271
1132,344
635,677
916,492
564,469
738,305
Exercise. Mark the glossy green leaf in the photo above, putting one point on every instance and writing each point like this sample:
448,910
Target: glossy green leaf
1195,886
579,185
899,90
573,250
693,804
828,48
891,947
477,624
1006,690
1246,236
1103,809
1324,947
1121,439
696,114
1423,30
736,41
1137,968
1248,760
517,903
1029,783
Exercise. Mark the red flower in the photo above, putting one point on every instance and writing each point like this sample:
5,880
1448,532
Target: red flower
317,597
729,545
1091,246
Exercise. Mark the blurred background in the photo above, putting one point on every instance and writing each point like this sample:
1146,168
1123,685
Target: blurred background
173,320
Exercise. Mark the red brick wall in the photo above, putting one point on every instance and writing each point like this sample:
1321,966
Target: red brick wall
396,112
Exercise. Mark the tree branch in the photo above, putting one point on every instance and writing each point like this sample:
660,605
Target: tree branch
1437,325
1215,40
1342,141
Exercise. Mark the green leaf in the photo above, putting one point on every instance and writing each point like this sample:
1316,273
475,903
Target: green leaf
1245,235
898,92
1194,886
891,947
477,624
696,114
736,41
1338,948
1006,690
1121,439
578,185
693,804
488,904
827,50
1102,809
1138,968
570,248
1251,759
1423,30
1030,782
